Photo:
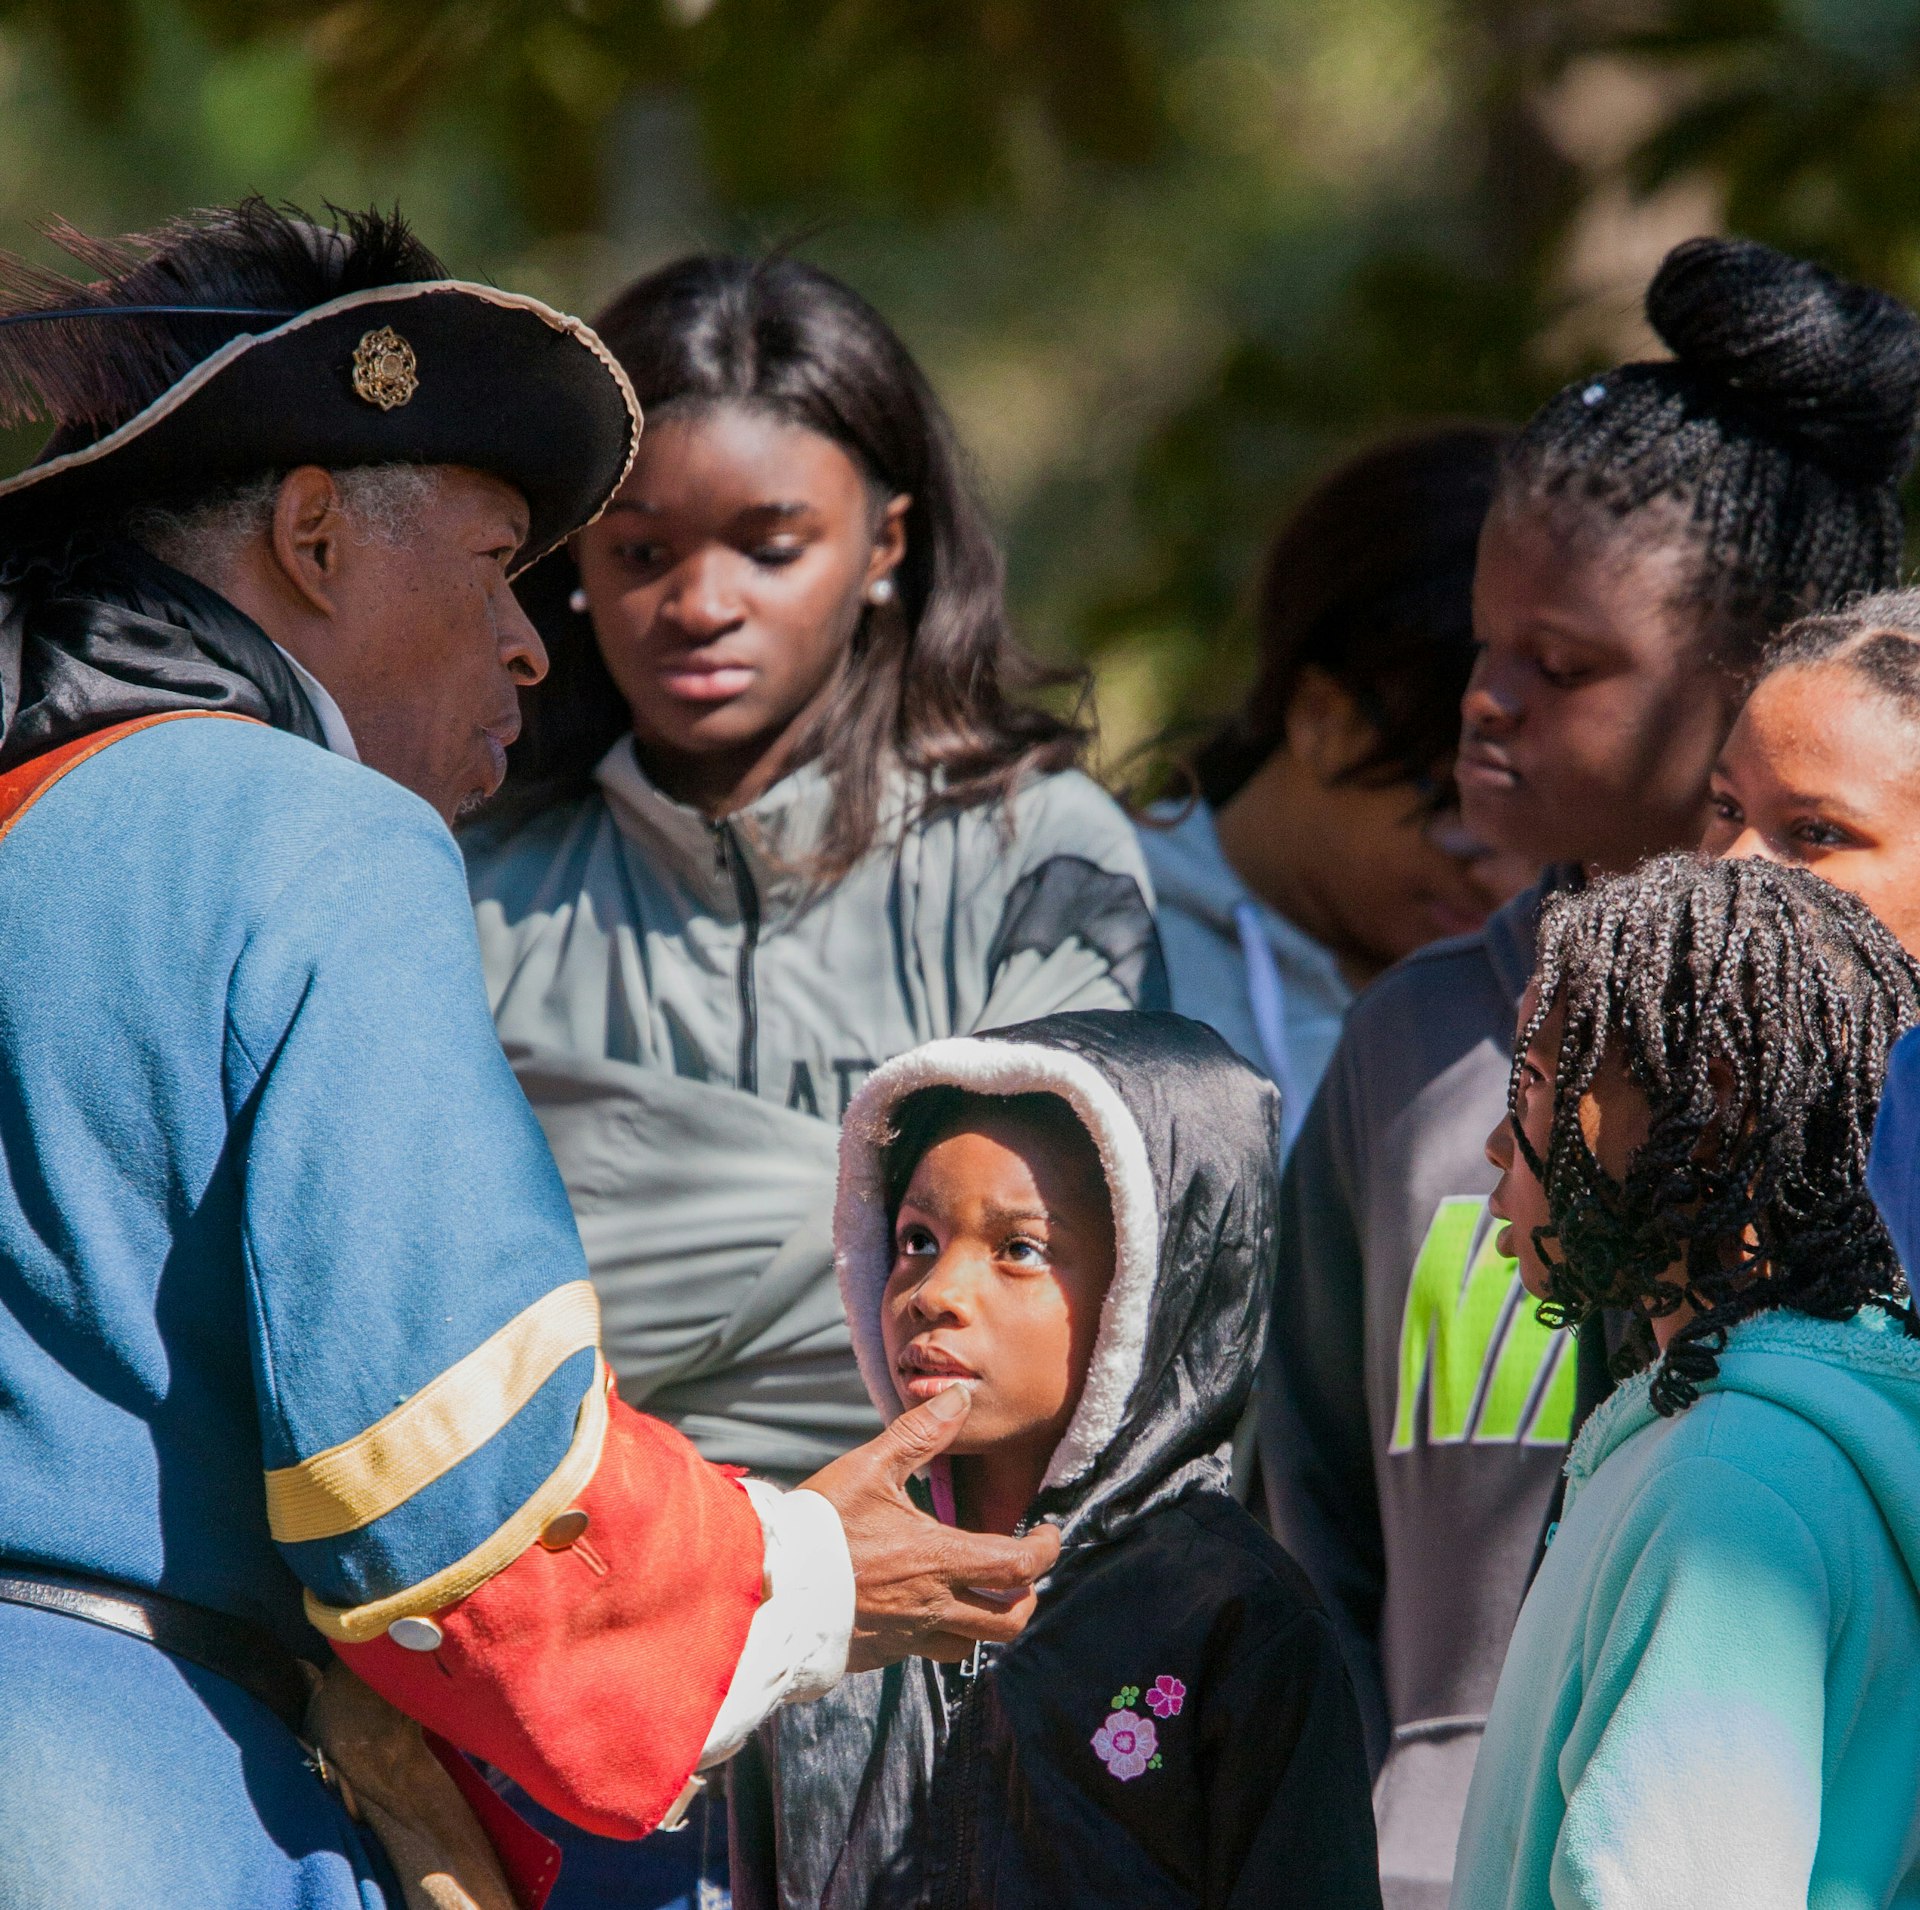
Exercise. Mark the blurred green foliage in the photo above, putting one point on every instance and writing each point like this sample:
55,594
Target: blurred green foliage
899,105
1165,257
1809,111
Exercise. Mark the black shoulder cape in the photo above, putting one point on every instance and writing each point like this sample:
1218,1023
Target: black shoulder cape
103,632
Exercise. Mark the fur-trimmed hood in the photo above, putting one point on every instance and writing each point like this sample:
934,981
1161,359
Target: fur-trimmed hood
1187,1136
1012,1780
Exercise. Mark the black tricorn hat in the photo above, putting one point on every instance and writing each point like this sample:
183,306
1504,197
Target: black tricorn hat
245,341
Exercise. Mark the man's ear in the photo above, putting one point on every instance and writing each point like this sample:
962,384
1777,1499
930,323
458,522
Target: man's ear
309,527
1327,730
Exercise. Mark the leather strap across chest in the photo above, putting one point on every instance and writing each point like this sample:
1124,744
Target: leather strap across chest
23,785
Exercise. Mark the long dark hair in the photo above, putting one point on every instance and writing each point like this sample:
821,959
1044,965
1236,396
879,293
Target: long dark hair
1755,1006
1371,580
938,685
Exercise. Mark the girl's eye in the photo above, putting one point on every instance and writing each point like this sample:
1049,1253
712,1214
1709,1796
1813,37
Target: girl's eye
776,556
641,556
915,1243
1562,673
1024,1253
1726,808
1817,833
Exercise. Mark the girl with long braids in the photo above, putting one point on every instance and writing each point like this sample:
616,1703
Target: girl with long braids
1709,1699
1651,529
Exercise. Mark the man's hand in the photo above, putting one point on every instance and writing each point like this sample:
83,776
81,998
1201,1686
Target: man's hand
922,1589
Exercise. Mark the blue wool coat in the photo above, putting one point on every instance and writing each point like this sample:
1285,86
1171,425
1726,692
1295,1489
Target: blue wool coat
267,1176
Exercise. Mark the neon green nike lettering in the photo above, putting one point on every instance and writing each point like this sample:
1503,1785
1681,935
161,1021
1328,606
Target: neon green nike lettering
1470,1334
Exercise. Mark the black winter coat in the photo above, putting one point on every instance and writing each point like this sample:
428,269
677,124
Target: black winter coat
1175,1727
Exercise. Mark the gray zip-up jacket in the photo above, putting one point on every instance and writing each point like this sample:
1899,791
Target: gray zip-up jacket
1414,1412
690,1015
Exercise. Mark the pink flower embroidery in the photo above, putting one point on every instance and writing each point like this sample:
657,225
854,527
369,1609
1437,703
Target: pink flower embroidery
1124,1744
1166,1697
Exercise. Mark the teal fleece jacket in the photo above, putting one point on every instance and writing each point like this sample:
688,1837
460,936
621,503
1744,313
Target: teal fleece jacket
1711,1696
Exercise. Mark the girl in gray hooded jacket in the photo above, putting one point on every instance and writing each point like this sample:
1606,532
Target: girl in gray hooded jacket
784,807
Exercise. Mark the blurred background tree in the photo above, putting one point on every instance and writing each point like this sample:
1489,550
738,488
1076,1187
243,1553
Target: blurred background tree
1164,257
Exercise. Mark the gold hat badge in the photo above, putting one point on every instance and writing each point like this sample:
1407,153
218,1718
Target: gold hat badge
385,371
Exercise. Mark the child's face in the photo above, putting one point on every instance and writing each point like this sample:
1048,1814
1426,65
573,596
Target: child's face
1593,716
1823,769
1003,1249
1613,1117
1374,872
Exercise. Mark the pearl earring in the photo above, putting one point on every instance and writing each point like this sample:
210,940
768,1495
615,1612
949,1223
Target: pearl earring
577,603
880,591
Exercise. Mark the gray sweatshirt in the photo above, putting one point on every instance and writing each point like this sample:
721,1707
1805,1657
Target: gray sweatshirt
690,1015
1414,1412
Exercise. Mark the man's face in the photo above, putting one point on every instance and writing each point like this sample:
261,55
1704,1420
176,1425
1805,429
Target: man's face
428,644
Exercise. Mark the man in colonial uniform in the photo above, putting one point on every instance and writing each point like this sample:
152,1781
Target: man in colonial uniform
298,1355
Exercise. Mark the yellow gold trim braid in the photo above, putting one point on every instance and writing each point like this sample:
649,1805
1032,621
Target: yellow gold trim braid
355,1624
449,1419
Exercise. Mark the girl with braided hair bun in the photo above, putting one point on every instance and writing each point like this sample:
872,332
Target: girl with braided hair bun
1709,1698
1650,529
1656,525
1823,766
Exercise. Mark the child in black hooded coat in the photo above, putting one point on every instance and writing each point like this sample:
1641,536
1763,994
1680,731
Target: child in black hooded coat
1174,1727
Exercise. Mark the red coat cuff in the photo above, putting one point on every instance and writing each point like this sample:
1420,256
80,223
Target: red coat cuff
592,1674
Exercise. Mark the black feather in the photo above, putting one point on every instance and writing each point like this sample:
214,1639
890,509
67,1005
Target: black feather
88,375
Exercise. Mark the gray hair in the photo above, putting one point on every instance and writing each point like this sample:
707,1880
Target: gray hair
385,503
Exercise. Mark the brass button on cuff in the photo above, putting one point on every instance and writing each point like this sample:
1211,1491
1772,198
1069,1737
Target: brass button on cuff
564,1529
